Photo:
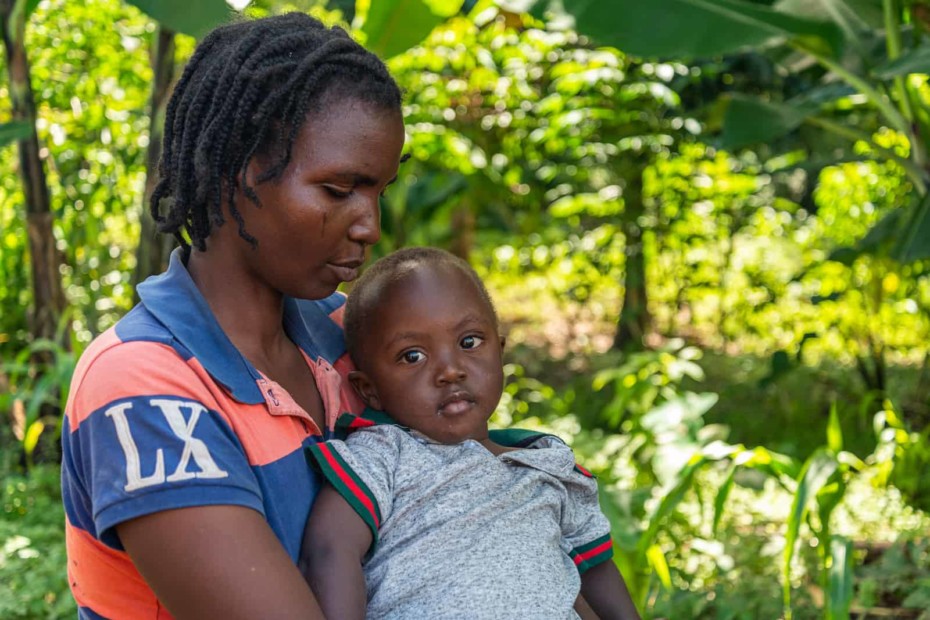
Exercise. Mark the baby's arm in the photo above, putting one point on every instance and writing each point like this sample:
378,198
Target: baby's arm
605,592
335,542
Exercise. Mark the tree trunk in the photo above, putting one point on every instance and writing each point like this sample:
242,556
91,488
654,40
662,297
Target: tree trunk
463,227
47,295
634,319
152,255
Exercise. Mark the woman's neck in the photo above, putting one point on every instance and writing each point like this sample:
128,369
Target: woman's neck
248,310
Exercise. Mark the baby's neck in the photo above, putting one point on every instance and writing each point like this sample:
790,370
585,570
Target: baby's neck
495,448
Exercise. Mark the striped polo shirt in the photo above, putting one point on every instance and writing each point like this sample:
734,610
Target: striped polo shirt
164,412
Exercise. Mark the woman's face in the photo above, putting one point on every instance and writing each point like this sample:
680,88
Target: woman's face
317,218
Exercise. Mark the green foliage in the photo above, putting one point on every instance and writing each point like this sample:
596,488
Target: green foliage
91,78
785,280
899,574
12,131
33,579
631,25
394,26
195,19
903,457
37,382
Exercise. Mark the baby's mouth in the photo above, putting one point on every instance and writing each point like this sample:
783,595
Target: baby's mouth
456,403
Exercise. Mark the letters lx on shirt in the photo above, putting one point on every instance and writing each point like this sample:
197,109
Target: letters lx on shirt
183,429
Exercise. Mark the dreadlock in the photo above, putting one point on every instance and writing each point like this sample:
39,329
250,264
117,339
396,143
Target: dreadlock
246,92
366,295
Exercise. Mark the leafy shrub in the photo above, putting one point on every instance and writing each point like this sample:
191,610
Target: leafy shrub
33,577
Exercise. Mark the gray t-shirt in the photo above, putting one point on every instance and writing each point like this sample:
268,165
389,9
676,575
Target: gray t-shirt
461,533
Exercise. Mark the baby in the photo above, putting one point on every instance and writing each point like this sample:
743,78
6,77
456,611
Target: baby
427,513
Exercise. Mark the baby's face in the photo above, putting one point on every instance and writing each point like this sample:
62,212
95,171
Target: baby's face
432,355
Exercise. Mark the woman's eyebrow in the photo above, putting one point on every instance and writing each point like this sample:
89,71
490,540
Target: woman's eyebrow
360,178
356,178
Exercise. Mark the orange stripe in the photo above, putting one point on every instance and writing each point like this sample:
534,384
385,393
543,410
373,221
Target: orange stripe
100,344
337,315
267,438
106,580
137,369
132,369
347,480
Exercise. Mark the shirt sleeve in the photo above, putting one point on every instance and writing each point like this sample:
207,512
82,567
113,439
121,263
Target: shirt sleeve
585,529
143,435
361,469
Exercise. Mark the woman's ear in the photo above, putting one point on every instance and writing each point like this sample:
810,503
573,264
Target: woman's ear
365,389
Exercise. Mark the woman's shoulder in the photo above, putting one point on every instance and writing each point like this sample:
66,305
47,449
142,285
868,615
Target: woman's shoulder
116,366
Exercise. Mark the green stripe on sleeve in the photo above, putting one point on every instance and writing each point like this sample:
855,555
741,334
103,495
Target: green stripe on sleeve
343,483
593,553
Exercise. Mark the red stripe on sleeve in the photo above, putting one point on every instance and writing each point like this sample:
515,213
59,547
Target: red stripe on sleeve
582,557
325,450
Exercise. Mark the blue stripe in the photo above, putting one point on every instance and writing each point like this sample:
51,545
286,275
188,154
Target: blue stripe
304,317
86,613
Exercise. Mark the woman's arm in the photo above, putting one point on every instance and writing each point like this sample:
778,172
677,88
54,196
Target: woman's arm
217,562
335,543
604,590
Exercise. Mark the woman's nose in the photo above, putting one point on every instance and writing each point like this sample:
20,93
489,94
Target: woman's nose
367,227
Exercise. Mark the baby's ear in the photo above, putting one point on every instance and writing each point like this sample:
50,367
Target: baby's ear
365,389
503,342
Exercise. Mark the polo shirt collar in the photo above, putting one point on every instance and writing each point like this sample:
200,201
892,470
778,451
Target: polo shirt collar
174,299
510,437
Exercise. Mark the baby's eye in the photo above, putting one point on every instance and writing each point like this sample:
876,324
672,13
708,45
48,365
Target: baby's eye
411,357
471,342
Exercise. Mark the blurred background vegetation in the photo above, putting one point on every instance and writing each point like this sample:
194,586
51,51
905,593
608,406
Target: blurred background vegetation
705,224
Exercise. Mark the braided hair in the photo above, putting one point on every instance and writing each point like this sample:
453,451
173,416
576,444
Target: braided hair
362,306
246,92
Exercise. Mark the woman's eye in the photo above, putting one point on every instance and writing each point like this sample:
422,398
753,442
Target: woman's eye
411,357
337,192
471,342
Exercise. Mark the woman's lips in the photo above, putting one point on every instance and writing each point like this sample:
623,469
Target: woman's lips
347,270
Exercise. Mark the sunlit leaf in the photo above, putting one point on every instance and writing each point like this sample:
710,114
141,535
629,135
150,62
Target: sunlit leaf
394,26
722,495
684,28
669,502
659,565
31,6
346,7
32,436
814,475
193,18
852,16
916,60
914,240
752,121
13,131
834,431
840,586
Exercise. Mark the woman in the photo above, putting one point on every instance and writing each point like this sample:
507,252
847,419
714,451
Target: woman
184,481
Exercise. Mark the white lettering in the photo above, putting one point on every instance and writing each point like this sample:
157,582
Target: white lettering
193,447
134,478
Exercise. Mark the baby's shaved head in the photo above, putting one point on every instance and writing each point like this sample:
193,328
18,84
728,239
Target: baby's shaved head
370,289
